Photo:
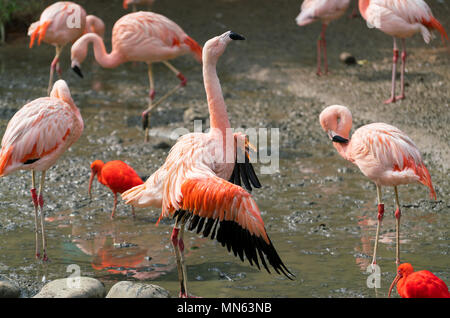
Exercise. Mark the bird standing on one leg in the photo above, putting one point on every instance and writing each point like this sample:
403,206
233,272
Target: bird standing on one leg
140,37
383,153
36,136
401,19
191,185
421,284
116,175
326,11
61,23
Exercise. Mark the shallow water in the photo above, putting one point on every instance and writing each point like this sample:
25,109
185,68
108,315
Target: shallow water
319,210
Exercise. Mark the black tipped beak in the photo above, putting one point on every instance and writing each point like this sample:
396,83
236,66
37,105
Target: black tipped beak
339,139
77,70
235,36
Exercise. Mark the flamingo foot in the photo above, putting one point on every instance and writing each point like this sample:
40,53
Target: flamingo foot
391,100
38,255
400,97
45,258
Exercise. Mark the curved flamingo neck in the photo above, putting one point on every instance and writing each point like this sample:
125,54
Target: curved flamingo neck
216,104
105,59
363,4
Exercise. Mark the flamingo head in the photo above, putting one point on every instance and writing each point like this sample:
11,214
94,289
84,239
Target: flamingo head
336,121
215,47
78,53
96,167
403,270
61,91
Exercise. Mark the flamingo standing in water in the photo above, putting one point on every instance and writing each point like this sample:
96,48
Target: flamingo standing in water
36,136
326,11
401,19
116,175
133,3
383,153
59,24
421,284
192,185
140,37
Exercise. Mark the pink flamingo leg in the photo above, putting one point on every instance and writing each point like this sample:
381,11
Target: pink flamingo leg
397,226
319,59
379,219
146,113
34,197
322,45
402,74
392,99
175,244
114,207
41,206
54,66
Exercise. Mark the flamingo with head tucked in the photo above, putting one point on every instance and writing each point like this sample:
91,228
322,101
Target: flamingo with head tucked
36,136
117,176
401,19
140,37
192,187
383,153
325,11
61,23
421,284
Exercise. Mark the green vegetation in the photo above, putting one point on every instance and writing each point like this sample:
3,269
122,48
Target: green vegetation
16,15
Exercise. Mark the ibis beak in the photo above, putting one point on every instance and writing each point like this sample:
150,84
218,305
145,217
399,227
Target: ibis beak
394,283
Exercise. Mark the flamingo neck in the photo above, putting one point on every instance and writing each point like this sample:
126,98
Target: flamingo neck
105,59
217,109
363,4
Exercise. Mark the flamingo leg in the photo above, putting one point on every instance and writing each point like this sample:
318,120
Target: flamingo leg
41,205
324,44
132,211
402,74
146,113
114,207
175,243
183,265
397,227
380,218
54,66
35,203
319,58
393,99
322,47
177,73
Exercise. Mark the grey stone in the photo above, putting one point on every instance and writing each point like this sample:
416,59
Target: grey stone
68,288
126,289
8,288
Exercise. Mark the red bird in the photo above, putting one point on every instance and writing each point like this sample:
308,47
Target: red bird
421,284
116,175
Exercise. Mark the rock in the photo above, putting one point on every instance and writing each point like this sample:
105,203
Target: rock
126,289
61,288
8,288
347,58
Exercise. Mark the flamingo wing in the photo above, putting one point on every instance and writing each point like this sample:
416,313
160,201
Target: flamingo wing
390,148
229,213
37,130
243,171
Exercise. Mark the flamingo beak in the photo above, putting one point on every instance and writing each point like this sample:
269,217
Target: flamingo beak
394,283
235,36
91,179
336,138
77,70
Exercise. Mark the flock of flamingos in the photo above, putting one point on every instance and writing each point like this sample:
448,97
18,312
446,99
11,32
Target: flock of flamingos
196,185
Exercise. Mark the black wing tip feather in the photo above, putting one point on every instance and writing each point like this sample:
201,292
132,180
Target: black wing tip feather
238,240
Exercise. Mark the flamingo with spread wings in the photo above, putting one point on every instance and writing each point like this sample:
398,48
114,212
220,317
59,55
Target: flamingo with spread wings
401,19
36,136
192,185
61,23
383,153
140,37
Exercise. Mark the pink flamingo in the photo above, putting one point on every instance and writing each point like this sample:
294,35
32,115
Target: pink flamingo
59,24
326,11
400,19
382,152
191,185
133,3
36,136
139,37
